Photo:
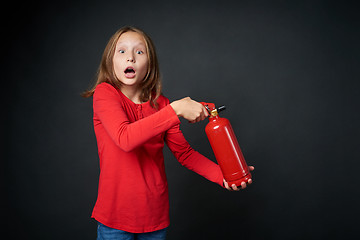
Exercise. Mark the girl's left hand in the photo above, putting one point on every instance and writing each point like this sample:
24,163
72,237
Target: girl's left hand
243,184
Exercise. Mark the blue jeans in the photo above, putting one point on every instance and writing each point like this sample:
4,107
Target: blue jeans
108,233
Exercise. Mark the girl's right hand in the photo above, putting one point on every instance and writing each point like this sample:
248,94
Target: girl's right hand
243,184
190,110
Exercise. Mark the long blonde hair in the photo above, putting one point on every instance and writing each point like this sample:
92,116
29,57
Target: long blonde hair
150,86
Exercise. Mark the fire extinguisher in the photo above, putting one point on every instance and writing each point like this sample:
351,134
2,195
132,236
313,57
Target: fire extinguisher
226,147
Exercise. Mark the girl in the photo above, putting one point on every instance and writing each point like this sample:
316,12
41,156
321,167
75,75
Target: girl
132,120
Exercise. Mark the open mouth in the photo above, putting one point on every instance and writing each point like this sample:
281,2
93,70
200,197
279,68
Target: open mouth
129,70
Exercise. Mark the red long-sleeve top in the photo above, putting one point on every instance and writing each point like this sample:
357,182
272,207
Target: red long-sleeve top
133,190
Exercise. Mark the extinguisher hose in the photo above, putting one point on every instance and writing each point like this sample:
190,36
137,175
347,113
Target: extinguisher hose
221,108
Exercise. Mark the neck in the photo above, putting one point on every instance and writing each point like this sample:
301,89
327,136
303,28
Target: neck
132,93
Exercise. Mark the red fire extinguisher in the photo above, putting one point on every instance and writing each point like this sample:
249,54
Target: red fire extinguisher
226,147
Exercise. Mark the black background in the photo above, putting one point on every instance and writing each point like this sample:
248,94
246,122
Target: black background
286,70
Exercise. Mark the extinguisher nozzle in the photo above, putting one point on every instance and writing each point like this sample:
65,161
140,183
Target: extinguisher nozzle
221,108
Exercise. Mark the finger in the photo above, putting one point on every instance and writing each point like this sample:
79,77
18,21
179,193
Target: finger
195,119
206,113
243,185
251,168
202,116
226,185
198,117
202,113
250,181
235,188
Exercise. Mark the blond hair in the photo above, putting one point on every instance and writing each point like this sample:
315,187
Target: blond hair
151,84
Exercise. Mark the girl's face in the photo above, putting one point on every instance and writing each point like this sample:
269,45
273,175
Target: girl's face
130,59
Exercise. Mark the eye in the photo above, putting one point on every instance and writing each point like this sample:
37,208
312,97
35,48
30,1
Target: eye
121,51
139,52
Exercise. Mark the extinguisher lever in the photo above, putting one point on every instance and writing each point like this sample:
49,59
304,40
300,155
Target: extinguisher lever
207,108
211,107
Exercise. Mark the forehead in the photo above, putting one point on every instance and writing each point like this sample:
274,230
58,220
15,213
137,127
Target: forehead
131,38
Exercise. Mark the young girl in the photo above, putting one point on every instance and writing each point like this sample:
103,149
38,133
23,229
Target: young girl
132,120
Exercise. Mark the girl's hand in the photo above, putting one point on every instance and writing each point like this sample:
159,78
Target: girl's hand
190,110
243,184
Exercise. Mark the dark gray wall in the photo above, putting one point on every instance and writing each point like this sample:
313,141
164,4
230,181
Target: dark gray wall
285,69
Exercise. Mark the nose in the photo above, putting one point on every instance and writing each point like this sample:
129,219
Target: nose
131,58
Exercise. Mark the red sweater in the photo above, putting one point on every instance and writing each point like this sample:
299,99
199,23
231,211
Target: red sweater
133,190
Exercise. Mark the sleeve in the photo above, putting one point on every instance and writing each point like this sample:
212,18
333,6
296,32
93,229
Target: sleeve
108,109
190,158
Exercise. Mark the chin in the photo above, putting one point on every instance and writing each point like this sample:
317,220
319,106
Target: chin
129,82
